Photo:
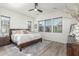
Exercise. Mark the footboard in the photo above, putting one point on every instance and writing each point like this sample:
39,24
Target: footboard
23,45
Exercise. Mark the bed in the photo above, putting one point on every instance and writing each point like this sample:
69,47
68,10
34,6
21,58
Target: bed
22,38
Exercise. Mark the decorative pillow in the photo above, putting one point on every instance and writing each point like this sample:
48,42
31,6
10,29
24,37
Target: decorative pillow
13,32
25,32
17,32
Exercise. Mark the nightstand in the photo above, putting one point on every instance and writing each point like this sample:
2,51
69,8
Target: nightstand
4,40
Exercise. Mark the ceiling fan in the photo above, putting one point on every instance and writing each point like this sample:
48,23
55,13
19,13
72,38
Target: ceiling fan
35,8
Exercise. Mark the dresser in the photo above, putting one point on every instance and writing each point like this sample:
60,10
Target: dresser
73,49
72,46
4,41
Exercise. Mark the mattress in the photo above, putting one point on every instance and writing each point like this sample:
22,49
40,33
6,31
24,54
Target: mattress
22,38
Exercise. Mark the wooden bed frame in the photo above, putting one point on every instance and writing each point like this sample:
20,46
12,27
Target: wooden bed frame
23,45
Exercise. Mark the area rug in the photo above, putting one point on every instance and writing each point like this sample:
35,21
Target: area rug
32,50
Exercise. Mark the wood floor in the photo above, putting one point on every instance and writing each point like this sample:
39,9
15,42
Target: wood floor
44,48
54,49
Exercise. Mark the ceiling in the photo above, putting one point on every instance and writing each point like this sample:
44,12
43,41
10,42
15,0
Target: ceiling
24,7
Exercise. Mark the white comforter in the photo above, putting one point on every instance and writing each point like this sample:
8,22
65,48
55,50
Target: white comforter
22,38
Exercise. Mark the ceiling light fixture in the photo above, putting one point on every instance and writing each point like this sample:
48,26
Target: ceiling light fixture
35,9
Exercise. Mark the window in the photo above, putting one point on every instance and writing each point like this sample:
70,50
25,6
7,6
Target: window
29,24
48,25
4,25
51,25
57,25
41,26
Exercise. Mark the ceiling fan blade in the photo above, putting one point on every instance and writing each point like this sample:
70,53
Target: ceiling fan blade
40,10
30,9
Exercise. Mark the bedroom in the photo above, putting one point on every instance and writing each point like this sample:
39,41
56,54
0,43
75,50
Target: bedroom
43,26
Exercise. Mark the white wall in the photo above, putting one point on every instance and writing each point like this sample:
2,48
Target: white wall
59,37
17,20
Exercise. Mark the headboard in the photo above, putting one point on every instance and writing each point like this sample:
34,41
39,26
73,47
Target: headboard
17,29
